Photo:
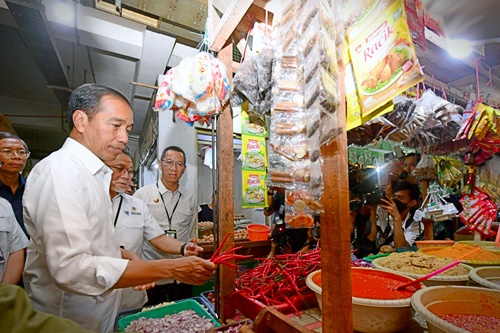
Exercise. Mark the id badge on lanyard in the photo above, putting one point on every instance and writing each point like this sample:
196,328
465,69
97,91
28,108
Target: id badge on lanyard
171,233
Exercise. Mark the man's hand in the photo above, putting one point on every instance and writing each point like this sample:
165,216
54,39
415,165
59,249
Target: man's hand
192,249
145,286
286,248
193,270
130,255
391,208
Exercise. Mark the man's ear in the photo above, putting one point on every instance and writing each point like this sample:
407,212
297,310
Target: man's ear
80,119
413,203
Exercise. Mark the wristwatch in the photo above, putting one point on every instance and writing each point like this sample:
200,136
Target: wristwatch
183,246
403,175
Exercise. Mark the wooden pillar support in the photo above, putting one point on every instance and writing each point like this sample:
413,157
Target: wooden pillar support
225,169
335,231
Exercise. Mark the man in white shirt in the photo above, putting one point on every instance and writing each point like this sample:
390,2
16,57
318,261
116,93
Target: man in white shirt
134,224
13,241
399,229
74,261
175,209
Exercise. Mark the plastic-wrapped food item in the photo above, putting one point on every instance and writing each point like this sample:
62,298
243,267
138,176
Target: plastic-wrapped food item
196,88
448,175
300,206
245,82
426,168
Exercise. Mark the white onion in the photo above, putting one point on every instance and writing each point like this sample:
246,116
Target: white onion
187,321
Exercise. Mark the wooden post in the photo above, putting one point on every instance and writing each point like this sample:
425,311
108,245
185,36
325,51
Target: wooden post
225,168
335,231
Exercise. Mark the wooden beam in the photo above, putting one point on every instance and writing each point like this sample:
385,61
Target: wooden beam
228,23
236,67
271,320
450,91
335,230
466,80
225,186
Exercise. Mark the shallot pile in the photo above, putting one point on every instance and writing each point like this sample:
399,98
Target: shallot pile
187,321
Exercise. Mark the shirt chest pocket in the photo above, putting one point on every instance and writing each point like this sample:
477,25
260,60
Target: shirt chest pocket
183,214
131,231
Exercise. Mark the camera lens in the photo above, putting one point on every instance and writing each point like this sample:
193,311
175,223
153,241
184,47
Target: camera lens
354,205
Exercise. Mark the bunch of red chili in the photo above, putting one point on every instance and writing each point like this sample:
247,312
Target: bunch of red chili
224,257
274,281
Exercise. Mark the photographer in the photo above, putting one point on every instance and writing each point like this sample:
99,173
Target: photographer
363,228
399,229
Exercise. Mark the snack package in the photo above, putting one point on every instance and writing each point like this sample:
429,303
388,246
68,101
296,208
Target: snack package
425,169
300,206
254,189
253,153
384,58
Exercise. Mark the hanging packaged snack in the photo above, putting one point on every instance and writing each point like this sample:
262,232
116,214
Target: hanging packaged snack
448,174
253,153
252,124
196,89
254,189
384,58
300,206
426,168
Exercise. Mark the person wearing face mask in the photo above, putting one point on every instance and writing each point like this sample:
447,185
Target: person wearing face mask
398,228
135,225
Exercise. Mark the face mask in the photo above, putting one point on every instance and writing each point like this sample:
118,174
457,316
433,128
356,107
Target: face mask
400,205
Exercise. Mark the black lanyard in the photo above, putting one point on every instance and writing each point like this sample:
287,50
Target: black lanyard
119,207
164,206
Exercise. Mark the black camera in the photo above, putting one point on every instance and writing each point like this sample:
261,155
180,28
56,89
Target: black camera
279,234
365,189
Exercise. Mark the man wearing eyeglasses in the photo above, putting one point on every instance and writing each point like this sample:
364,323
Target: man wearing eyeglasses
175,208
75,264
13,156
134,225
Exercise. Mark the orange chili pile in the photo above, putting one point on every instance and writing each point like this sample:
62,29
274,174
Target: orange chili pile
457,250
376,284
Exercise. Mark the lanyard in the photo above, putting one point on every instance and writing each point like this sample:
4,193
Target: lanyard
118,211
169,217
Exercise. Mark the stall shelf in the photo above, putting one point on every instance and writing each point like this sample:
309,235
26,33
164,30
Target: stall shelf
335,221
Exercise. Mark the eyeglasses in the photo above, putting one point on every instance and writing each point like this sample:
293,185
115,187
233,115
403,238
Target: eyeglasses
11,153
170,163
122,170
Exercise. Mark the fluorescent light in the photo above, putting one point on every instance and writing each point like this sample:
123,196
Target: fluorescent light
62,11
459,48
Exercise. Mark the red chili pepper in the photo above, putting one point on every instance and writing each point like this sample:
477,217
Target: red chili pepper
220,246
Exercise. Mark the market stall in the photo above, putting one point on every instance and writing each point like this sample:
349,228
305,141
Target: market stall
313,114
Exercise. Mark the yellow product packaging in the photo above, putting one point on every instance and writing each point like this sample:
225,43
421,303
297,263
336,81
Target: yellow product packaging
384,58
254,189
253,152
252,125
353,107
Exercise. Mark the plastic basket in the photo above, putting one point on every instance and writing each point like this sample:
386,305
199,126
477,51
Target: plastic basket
204,296
188,304
207,304
258,232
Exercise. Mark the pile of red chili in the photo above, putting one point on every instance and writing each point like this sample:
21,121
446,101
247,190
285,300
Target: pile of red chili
474,323
274,281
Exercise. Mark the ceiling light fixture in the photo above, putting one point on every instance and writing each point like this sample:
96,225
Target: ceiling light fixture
62,11
459,48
